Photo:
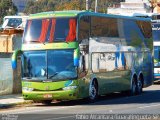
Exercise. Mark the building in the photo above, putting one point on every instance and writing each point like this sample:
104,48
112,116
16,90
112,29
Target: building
131,6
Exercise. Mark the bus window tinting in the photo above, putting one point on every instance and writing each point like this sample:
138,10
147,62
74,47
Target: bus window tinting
104,27
84,27
50,30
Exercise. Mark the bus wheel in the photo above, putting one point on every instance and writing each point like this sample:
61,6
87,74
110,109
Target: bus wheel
134,87
139,86
93,91
47,102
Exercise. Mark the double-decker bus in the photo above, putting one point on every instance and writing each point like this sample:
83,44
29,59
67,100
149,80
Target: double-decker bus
68,55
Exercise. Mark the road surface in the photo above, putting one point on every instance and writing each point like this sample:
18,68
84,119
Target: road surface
146,105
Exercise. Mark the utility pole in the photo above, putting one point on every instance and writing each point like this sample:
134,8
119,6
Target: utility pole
96,7
12,4
87,4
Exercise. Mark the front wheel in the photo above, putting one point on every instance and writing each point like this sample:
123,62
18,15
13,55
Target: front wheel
93,91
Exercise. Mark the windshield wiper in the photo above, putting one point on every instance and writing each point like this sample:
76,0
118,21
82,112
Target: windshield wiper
53,75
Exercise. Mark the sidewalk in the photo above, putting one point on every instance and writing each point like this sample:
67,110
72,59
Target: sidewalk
13,99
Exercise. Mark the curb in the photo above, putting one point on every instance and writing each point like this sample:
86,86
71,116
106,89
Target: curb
11,105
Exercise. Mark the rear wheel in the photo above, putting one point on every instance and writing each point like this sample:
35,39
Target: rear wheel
139,85
93,91
134,86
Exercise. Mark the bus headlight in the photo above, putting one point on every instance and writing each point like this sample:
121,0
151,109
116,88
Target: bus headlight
70,88
27,89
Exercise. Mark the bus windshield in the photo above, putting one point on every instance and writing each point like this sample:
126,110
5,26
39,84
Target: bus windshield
156,56
51,64
156,31
50,30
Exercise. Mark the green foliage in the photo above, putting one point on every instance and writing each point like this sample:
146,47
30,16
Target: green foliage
54,5
7,8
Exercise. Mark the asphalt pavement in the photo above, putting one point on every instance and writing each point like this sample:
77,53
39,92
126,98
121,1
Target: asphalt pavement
117,106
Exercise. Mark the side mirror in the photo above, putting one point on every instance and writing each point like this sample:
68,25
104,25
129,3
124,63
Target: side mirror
76,62
83,47
14,58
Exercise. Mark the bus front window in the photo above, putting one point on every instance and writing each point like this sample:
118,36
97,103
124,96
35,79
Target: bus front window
61,64
50,30
52,64
34,64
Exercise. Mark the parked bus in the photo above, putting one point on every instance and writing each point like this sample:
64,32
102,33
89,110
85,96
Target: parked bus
69,55
155,18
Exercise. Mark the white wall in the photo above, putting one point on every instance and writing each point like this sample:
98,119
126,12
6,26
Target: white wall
6,76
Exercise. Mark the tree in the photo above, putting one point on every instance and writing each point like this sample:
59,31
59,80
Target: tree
54,5
7,7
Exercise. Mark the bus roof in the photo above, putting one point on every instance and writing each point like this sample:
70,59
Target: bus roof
74,13
70,13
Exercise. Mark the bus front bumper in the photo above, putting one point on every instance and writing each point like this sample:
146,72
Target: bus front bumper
51,95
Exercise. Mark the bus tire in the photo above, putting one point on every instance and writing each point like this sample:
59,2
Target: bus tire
140,85
93,91
133,90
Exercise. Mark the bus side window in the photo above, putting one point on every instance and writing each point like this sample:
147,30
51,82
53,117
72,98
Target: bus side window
104,27
84,27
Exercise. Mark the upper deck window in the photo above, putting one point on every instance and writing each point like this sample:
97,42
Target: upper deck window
104,27
50,30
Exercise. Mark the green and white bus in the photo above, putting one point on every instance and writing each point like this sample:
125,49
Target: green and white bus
68,55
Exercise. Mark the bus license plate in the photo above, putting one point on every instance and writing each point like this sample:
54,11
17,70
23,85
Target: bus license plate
47,95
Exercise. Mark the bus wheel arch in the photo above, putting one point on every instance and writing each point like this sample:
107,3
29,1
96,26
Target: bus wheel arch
93,90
